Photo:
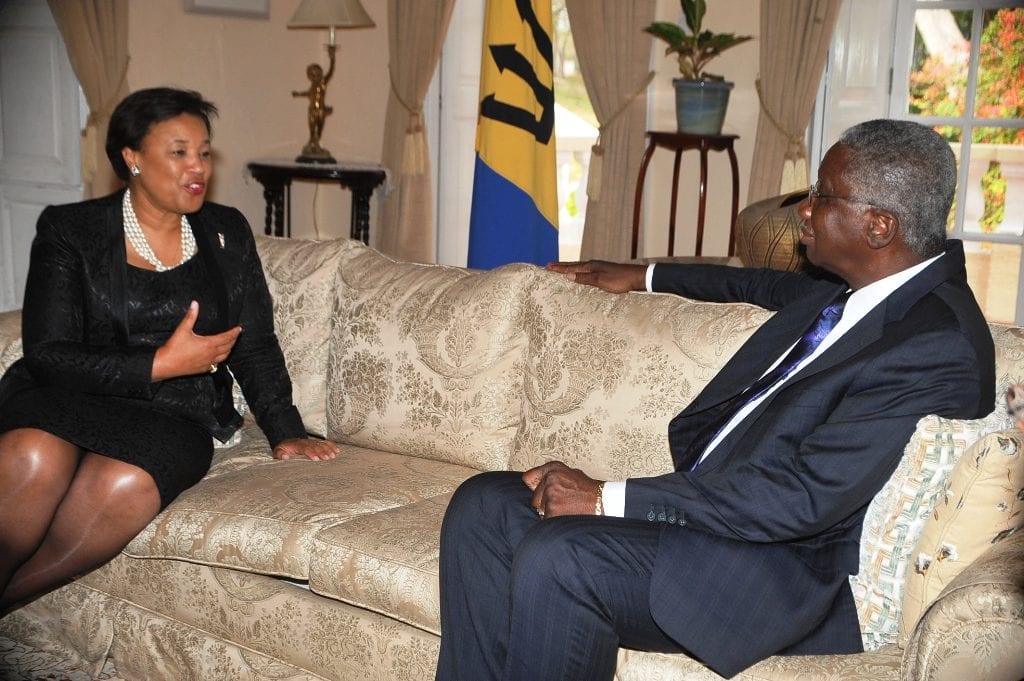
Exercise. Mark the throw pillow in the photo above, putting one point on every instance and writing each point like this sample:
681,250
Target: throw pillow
300,276
606,373
426,360
981,504
897,516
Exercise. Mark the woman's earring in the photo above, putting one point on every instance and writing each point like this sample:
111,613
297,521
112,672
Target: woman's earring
134,170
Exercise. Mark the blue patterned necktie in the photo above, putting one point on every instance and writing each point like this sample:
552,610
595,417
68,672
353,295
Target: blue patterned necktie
808,342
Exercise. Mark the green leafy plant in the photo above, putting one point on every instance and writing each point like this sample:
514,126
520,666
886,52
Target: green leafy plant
993,190
695,47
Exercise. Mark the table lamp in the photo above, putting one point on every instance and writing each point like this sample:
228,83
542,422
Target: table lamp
329,14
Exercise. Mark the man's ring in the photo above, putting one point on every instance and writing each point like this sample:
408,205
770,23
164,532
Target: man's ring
213,368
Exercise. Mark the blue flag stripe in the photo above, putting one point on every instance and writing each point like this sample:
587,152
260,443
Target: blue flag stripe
505,225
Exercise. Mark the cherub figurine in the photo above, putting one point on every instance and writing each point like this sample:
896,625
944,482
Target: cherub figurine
1015,403
317,110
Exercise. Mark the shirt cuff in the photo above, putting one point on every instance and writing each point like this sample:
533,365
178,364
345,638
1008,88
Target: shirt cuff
649,279
613,498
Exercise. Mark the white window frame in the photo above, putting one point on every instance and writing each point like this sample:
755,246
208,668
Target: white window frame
899,52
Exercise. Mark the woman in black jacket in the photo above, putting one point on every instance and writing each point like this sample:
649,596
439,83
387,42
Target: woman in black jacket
133,305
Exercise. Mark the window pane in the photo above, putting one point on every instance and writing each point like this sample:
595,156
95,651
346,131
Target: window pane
1000,90
993,272
995,183
938,74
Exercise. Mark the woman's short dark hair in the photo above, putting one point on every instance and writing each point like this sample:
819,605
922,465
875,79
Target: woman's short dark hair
141,110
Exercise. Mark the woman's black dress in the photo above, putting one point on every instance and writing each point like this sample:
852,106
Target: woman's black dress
155,435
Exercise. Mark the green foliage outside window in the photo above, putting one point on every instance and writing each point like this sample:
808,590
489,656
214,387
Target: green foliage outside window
938,87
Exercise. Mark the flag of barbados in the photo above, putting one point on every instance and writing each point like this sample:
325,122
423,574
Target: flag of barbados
514,216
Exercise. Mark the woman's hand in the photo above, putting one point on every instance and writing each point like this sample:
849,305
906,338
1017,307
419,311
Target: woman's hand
311,448
607,276
185,353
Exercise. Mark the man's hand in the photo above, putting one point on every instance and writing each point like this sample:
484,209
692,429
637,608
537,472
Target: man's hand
310,448
185,353
608,276
560,490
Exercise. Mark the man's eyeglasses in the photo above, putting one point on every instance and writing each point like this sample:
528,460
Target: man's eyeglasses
815,195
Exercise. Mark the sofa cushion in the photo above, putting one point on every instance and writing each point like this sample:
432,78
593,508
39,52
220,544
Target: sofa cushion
897,515
10,338
429,359
606,373
386,562
981,504
261,515
300,275
172,620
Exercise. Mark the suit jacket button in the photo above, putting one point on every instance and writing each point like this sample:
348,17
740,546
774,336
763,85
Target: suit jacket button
650,514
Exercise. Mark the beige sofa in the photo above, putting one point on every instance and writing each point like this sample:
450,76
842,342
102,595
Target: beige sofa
427,374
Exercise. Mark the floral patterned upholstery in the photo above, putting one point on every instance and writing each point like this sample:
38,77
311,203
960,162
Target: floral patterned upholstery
264,516
606,373
290,570
897,516
300,276
981,504
10,338
428,361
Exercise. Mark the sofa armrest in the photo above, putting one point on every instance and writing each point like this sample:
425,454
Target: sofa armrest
10,338
975,628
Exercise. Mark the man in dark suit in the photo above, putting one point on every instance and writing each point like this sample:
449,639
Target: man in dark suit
745,550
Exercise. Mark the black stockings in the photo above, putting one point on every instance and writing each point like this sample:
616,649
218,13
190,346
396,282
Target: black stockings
63,512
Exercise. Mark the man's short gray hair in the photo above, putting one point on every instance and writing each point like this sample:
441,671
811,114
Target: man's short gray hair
909,170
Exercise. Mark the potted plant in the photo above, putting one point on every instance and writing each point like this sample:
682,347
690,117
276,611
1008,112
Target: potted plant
701,97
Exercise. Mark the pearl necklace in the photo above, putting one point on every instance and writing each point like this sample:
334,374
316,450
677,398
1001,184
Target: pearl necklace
137,238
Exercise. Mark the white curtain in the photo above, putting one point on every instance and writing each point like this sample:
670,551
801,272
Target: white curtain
614,54
795,35
96,35
416,31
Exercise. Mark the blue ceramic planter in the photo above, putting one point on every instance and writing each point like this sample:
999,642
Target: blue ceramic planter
700,105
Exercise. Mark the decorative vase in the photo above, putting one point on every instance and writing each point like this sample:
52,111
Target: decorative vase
768,234
700,105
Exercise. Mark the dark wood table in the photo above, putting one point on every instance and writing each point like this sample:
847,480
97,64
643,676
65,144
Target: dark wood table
276,176
680,142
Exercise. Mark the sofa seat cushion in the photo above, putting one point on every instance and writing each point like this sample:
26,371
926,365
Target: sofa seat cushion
428,361
606,373
262,516
386,562
177,620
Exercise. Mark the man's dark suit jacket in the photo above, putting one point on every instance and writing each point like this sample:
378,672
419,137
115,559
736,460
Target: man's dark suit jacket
74,319
759,541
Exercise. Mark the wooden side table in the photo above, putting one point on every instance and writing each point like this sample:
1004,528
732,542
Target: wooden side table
276,176
680,142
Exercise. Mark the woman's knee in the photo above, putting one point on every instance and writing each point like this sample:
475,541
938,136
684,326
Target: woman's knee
36,462
120,486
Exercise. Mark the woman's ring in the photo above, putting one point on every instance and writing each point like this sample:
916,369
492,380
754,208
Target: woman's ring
213,368
540,511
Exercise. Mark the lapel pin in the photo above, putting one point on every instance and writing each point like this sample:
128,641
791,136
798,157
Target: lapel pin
220,236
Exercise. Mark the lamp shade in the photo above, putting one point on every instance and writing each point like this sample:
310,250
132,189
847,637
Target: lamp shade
330,14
